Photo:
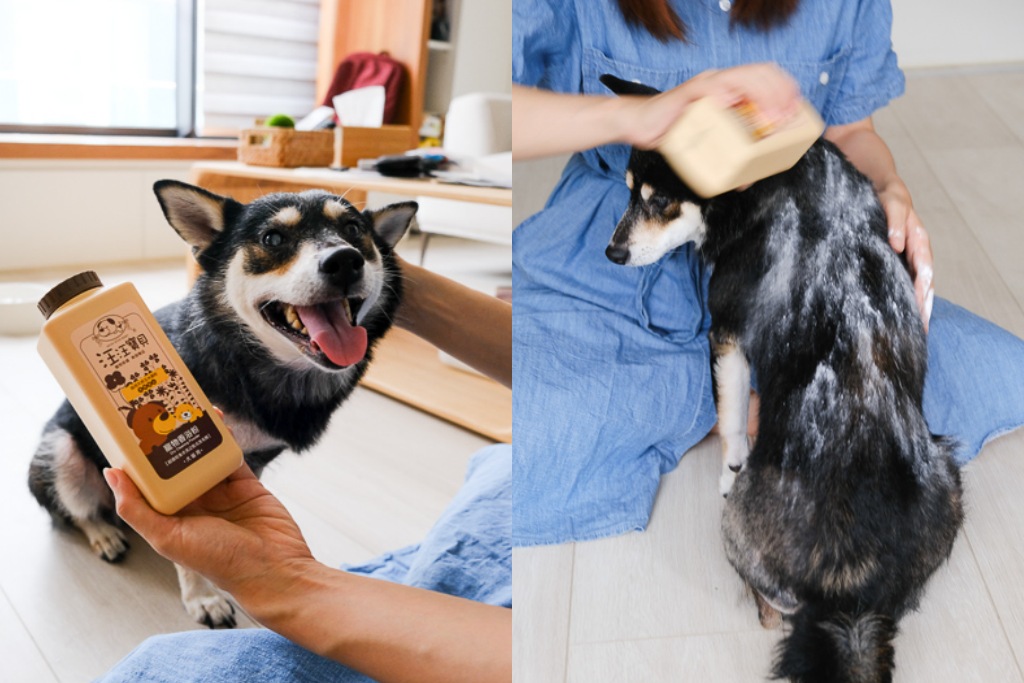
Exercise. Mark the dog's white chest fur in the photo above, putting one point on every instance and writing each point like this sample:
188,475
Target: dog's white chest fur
249,437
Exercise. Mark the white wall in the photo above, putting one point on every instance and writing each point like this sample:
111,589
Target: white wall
480,57
73,213
937,33
483,57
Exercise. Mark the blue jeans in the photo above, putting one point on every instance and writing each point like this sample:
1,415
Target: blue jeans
467,553
253,654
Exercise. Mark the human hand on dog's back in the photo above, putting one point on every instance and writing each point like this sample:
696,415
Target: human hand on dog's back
908,237
863,146
546,123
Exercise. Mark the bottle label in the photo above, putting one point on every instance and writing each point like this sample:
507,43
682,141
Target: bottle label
171,425
751,120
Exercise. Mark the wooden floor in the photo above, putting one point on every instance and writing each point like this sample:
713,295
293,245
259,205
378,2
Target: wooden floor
377,481
664,605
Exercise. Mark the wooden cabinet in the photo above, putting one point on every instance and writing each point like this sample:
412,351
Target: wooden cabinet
399,27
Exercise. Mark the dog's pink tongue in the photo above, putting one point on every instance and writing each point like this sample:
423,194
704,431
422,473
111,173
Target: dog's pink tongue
332,333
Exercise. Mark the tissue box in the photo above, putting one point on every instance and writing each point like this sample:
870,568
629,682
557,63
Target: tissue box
369,143
286,147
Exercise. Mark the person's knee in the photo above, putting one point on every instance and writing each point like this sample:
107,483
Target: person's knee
223,656
190,655
141,663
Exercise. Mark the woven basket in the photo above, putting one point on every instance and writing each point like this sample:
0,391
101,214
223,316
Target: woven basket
286,147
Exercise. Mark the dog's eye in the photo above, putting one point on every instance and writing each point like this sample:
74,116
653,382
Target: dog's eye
658,202
272,238
351,229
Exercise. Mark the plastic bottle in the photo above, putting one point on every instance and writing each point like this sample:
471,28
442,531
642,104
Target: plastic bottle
715,149
133,392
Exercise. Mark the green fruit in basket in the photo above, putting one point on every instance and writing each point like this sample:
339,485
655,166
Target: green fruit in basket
281,121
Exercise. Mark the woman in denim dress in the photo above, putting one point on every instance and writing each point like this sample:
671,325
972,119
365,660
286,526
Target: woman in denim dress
611,368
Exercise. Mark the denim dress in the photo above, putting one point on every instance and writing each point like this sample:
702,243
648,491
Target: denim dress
612,380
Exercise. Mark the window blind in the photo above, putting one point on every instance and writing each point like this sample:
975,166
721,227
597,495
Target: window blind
255,58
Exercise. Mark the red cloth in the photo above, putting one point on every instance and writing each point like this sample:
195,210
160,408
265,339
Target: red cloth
362,69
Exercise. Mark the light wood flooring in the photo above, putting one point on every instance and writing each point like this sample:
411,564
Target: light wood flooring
664,605
376,482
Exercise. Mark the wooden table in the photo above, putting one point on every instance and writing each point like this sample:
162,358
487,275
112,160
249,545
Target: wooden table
245,183
405,367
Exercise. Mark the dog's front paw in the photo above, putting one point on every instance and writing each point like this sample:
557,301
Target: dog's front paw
107,540
203,601
726,481
214,611
735,452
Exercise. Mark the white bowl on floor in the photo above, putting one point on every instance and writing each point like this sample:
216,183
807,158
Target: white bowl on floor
19,313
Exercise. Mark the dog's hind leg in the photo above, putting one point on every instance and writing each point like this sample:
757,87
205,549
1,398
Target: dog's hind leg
769,617
203,601
72,489
732,393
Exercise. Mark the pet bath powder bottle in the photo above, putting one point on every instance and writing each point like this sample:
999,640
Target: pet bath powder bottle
715,149
134,393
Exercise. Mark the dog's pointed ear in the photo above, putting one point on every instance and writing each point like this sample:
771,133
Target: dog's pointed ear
197,215
621,87
392,221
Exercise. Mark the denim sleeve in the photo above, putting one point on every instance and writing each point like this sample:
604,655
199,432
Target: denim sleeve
546,45
873,77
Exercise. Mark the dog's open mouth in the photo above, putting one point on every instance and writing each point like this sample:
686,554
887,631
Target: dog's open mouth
326,332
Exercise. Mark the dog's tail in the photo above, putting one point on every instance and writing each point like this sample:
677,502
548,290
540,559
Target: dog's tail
826,645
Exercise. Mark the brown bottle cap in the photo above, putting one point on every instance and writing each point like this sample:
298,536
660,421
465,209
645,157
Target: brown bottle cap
67,290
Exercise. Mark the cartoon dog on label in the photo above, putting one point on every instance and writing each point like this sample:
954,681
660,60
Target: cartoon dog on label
186,412
151,423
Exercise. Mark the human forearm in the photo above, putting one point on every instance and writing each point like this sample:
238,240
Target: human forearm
242,538
867,151
546,123
388,631
474,327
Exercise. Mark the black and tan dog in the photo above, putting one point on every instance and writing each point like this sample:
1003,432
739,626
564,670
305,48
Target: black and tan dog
846,504
294,292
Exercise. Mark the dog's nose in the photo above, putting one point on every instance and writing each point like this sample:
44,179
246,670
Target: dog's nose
343,266
617,254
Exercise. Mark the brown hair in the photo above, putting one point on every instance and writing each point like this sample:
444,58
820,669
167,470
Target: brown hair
662,22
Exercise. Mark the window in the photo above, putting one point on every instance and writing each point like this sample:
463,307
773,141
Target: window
103,64
155,67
